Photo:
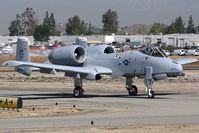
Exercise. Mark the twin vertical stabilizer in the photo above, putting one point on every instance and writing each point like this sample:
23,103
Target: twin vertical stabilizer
81,41
23,54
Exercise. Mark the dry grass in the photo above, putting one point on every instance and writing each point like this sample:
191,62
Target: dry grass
41,111
38,59
132,129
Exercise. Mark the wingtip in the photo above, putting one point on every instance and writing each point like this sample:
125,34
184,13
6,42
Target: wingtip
4,64
9,64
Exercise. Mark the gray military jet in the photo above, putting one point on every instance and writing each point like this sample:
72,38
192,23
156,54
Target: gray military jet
82,62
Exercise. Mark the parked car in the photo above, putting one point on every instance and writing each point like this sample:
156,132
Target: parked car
192,52
195,47
180,52
167,52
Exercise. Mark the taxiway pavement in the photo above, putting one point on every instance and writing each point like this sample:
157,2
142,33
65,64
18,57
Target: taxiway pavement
115,110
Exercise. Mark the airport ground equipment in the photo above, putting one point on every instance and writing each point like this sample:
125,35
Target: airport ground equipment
11,102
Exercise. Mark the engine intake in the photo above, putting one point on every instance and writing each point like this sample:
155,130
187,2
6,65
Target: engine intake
72,55
100,49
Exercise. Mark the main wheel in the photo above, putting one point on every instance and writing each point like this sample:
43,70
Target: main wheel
78,92
151,94
133,91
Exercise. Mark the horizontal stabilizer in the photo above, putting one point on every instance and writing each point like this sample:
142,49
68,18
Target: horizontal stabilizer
186,61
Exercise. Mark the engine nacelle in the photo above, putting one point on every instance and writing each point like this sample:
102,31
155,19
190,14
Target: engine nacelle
72,55
100,49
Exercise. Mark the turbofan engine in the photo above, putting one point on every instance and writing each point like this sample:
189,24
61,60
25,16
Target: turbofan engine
72,55
100,49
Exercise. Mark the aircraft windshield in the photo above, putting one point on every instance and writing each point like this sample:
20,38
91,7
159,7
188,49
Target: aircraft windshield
163,52
154,51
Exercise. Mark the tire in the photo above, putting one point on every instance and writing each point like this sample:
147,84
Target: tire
78,92
151,94
133,91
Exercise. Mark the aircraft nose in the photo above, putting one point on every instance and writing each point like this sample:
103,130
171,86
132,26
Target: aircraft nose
180,70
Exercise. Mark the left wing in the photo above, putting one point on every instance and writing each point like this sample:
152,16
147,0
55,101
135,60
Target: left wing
186,61
90,70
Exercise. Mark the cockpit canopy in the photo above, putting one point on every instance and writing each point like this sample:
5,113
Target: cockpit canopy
154,51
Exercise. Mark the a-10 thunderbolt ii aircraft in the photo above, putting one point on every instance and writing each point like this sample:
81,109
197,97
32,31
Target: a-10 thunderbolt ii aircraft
82,62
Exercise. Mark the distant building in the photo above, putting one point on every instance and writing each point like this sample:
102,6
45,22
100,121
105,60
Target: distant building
177,40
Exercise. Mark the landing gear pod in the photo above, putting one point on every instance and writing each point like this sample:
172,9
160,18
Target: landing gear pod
11,102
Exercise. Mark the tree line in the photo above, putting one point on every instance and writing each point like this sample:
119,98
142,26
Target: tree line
177,26
26,24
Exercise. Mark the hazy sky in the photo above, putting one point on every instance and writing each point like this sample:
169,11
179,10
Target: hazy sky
129,11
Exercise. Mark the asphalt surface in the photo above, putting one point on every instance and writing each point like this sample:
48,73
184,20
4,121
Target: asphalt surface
115,110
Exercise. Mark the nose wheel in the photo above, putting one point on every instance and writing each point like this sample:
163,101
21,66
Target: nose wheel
151,94
148,84
148,81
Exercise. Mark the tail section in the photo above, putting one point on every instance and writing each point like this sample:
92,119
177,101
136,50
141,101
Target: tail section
23,54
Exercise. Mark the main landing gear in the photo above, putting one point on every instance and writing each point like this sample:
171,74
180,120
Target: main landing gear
132,89
148,81
78,91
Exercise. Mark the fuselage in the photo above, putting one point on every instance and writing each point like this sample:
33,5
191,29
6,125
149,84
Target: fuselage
133,63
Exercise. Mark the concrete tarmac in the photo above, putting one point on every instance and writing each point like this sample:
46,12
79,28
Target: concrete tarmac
106,103
115,110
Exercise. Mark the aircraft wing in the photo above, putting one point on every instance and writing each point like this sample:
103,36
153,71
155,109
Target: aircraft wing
186,61
90,69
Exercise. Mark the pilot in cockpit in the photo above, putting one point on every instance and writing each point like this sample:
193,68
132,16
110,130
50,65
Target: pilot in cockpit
154,51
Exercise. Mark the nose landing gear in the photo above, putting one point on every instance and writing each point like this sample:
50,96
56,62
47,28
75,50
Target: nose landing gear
148,81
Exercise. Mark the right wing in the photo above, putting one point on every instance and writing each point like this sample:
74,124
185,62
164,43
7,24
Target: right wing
90,70
186,61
